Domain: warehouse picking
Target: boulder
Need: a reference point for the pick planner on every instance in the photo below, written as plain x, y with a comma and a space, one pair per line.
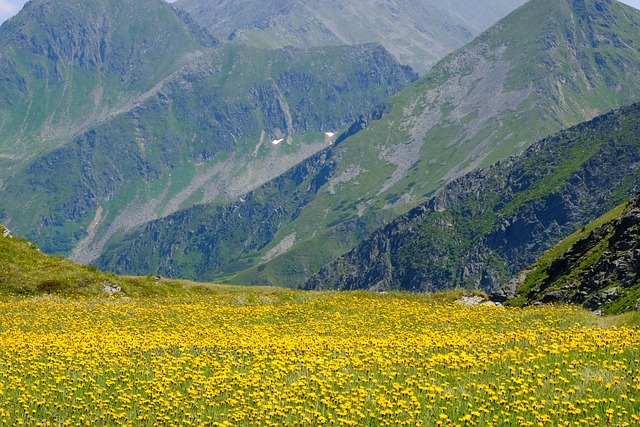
476, 300
603, 298
110, 289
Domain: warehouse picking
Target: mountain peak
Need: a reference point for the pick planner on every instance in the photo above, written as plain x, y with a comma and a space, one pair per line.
68, 63
111, 34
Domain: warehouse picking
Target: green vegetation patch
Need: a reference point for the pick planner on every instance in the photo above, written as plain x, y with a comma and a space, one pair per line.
24, 270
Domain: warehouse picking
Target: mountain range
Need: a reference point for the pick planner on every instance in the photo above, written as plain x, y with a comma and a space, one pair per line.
135, 139
546, 66
417, 33
94, 143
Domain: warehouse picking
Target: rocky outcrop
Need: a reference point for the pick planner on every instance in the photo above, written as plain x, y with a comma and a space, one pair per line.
364, 120
110, 289
484, 228
600, 271
476, 300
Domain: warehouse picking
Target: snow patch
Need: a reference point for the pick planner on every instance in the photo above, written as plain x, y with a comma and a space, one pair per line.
277, 141
329, 134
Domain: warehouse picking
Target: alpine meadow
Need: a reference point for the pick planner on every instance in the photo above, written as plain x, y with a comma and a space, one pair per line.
320, 213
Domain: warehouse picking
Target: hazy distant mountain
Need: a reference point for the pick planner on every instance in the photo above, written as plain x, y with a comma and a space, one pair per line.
67, 64
418, 33
547, 66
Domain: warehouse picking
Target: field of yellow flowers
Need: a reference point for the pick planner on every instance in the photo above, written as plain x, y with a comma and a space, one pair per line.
310, 359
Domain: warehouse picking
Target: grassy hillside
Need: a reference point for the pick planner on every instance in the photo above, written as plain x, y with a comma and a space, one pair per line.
537, 272
24, 270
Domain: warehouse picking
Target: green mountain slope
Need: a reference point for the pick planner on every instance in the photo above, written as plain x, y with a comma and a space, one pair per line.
65, 65
596, 267
203, 133
486, 226
416, 33
548, 65
25, 270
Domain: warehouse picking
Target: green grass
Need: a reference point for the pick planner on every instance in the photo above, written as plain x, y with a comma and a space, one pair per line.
25, 270
178, 353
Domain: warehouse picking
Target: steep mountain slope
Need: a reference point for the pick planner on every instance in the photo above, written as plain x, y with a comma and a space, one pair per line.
486, 226
548, 65
205, 132
67, 64
596, 267
416, 33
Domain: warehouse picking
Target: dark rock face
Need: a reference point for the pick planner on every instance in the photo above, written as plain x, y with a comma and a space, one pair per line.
485, 227
364, 120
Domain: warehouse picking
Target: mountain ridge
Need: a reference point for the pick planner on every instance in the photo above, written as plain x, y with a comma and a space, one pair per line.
484, 227
202, 131
417, 34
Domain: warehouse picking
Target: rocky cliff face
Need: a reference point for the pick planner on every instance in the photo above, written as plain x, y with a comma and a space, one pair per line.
600, 271
486, 226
